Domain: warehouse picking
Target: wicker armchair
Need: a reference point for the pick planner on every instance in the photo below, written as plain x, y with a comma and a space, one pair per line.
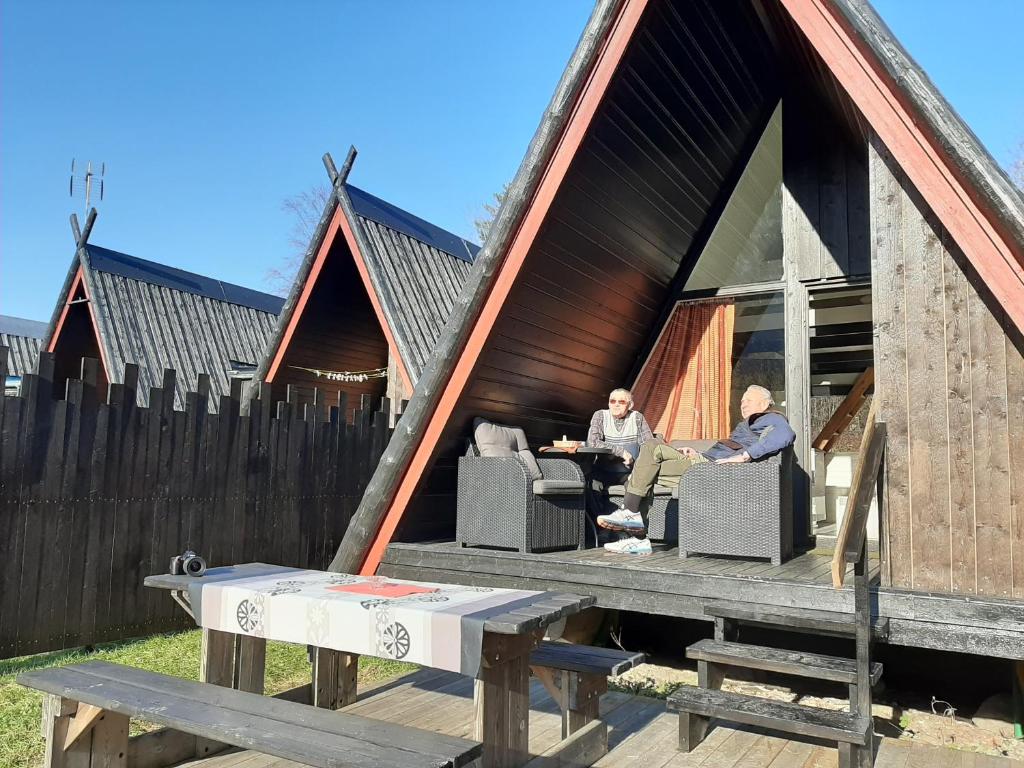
737, 509
500, 505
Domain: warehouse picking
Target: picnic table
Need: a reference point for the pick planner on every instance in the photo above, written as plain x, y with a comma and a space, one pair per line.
486, 633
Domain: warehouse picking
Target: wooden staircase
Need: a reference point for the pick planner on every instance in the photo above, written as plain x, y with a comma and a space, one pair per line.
853, 730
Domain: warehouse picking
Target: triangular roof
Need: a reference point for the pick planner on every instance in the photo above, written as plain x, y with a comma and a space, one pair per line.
413, 272
158, 317
23, 339
970, 195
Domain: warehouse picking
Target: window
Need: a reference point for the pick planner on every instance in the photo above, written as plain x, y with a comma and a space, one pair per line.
746, 244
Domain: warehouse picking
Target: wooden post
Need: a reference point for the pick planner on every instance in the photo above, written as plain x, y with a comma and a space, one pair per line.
56, 721
251, 663
110, 741
502, 699
335, 675
216, 666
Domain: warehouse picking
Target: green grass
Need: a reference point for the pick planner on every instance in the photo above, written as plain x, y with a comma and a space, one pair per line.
21, 745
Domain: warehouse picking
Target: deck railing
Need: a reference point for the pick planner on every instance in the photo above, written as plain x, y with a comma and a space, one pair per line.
96, 493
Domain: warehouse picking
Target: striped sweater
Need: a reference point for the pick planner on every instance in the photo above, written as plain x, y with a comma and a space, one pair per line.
608, 432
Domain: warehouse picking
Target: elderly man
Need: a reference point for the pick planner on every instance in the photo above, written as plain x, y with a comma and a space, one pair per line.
619, 427
762, 432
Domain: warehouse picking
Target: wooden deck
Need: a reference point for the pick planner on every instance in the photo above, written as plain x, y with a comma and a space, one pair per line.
641, 733
662, 583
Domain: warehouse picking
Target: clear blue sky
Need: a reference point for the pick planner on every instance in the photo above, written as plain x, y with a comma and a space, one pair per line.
209, 114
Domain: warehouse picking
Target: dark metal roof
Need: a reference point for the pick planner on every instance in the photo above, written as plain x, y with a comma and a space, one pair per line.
114, 263
371, 207
24, 339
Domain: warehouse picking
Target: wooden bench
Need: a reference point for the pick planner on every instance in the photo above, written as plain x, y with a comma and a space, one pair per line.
88, 706
576, 676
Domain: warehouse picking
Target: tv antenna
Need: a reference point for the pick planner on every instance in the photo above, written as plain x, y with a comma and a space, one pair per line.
87, 183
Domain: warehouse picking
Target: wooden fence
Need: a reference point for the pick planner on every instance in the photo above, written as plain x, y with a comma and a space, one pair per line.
95, 494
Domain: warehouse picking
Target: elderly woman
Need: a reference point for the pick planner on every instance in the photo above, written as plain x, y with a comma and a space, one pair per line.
619, 427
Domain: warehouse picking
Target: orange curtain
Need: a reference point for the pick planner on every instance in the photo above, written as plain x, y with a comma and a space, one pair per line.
684, 387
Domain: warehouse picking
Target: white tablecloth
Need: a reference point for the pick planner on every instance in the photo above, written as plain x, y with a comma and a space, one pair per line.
436, 625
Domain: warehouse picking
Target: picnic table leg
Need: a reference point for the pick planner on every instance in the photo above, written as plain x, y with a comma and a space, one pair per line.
335, 676
502, 697
217, 658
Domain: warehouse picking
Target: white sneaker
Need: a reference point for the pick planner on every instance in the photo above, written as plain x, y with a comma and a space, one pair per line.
630, 546
622, 520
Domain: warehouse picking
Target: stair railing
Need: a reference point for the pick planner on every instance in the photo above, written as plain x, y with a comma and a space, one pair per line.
851, 549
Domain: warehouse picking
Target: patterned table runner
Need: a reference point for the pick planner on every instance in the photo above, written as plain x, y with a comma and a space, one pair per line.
435, 625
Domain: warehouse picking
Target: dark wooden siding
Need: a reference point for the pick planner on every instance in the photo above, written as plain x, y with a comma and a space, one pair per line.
696, 85
77, 340
695, 89
825, 175
950, 386
338, 331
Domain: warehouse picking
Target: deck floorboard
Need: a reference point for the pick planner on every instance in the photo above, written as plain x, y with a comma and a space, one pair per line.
641, 732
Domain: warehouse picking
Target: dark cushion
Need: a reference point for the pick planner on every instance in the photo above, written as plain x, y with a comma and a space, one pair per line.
557, 487
502, 441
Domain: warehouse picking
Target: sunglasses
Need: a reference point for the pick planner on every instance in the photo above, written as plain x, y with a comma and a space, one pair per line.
623, 402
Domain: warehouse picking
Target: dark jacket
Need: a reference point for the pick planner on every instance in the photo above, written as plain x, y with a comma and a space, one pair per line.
761, 435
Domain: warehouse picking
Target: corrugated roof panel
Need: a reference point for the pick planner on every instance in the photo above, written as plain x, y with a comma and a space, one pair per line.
160, 327
115, 263
420, 282
370, 207
22, 353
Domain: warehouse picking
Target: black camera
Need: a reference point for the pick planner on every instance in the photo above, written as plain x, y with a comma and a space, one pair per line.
188, 564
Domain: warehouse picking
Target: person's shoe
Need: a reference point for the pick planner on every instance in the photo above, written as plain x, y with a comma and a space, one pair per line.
622, 520
630, 546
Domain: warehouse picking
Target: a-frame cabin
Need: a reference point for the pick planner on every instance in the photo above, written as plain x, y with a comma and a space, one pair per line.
788, 159
121, 309
371, 297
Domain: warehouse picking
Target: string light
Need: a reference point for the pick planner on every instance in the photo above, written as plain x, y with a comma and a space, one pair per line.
346, 376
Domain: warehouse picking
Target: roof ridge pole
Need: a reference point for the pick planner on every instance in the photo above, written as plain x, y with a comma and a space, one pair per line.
387, 302
81, 257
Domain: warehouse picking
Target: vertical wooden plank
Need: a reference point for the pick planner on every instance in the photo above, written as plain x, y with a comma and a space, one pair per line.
82, 522
959, 417
834, 254
991, 447
57, 714
1015, 427
888, 307
109, 747
138, 525
252, 663
44, 535
334, 678
12, 507
858, 215
800, 203
926, 369
798, 406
